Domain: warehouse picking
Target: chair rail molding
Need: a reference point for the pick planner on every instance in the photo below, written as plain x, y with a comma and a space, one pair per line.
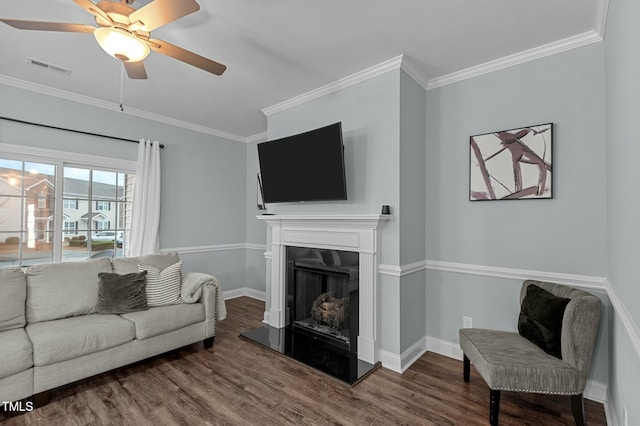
582, 281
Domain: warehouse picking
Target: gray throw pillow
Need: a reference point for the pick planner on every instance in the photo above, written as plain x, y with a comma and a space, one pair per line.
120, 294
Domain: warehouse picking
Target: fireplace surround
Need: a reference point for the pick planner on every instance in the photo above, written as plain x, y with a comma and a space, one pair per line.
355, 235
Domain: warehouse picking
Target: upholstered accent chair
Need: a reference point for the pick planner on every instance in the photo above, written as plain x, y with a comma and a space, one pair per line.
511, 362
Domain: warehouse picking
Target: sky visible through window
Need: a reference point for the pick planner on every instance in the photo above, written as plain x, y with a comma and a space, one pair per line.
70, 172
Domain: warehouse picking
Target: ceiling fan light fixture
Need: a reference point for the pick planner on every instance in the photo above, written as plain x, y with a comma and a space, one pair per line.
120, 44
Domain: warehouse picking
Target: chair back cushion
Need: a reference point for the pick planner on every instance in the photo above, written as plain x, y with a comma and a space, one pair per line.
580, 323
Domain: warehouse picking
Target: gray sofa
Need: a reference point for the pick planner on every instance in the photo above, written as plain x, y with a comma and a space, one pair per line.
51, 335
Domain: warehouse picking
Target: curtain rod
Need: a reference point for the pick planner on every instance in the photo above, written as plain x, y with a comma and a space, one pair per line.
72, 130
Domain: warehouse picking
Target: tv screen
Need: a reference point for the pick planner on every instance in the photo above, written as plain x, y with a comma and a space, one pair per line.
305, 167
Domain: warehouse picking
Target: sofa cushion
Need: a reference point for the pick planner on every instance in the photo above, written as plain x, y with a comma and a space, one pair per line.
13, 293
119, 294
163, 285
60, 290
540, 319
127, 265
69, 338
15, 352
163, 319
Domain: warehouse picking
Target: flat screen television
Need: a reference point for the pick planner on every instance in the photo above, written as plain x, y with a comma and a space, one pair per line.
305, 167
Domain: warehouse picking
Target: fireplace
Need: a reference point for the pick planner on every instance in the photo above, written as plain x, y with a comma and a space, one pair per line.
322, 296
348, 353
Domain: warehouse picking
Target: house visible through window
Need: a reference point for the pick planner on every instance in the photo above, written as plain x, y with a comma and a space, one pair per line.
70, 204
93, 219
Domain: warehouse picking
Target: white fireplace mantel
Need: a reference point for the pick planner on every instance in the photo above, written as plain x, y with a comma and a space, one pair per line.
357, 233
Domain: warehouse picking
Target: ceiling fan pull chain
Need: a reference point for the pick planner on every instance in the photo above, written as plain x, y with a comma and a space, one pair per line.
121, 86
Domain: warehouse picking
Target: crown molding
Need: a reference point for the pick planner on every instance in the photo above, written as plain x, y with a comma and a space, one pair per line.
414, 71
601, 23
350, 80
400, 61
111, 106
548, 49
258, 137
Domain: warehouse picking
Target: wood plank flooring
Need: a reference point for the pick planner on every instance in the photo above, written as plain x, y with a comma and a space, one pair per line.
240, 383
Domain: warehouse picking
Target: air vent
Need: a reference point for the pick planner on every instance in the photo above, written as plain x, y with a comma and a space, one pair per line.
49, 66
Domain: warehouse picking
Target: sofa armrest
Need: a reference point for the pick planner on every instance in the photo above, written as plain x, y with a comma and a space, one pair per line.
205, 288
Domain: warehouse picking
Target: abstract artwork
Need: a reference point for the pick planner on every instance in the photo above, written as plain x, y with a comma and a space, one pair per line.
511, 164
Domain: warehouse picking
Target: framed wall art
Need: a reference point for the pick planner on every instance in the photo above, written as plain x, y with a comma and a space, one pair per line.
511, 164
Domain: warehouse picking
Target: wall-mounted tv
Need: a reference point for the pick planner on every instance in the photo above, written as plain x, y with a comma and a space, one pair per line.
305, 167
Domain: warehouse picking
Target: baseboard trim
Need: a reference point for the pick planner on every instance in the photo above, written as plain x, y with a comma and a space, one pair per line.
444, 347
400, 363
610, 412
244, 291
390, 360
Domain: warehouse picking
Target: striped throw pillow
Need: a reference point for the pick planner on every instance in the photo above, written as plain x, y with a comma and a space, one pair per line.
163, 286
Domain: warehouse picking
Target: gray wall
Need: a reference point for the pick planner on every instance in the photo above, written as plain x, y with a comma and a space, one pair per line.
369, 112
203, 179
255, 229
412, 209
622, 44
566, 234
563, 235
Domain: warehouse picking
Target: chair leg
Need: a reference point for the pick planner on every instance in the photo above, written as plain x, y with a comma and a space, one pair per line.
466, 368
494, 407
208, 342
577, 407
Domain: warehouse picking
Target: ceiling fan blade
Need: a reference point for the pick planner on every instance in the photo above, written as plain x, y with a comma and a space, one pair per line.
135, 70
48, 26
183, 55
161, 12
93, 9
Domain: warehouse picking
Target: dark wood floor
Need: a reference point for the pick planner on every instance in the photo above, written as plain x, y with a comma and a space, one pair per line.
240, 383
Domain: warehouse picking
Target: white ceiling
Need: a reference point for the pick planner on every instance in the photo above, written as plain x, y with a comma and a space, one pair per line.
278, 49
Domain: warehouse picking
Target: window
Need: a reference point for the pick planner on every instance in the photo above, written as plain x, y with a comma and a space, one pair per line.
103, 205
69, 227
101, 225
70, 204
96, 199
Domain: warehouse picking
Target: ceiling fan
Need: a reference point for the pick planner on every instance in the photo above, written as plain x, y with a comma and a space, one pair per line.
125, 33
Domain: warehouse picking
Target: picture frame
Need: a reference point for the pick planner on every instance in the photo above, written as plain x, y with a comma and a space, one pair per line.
512, 164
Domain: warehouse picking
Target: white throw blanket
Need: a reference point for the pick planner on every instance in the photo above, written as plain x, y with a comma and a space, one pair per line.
191, 290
